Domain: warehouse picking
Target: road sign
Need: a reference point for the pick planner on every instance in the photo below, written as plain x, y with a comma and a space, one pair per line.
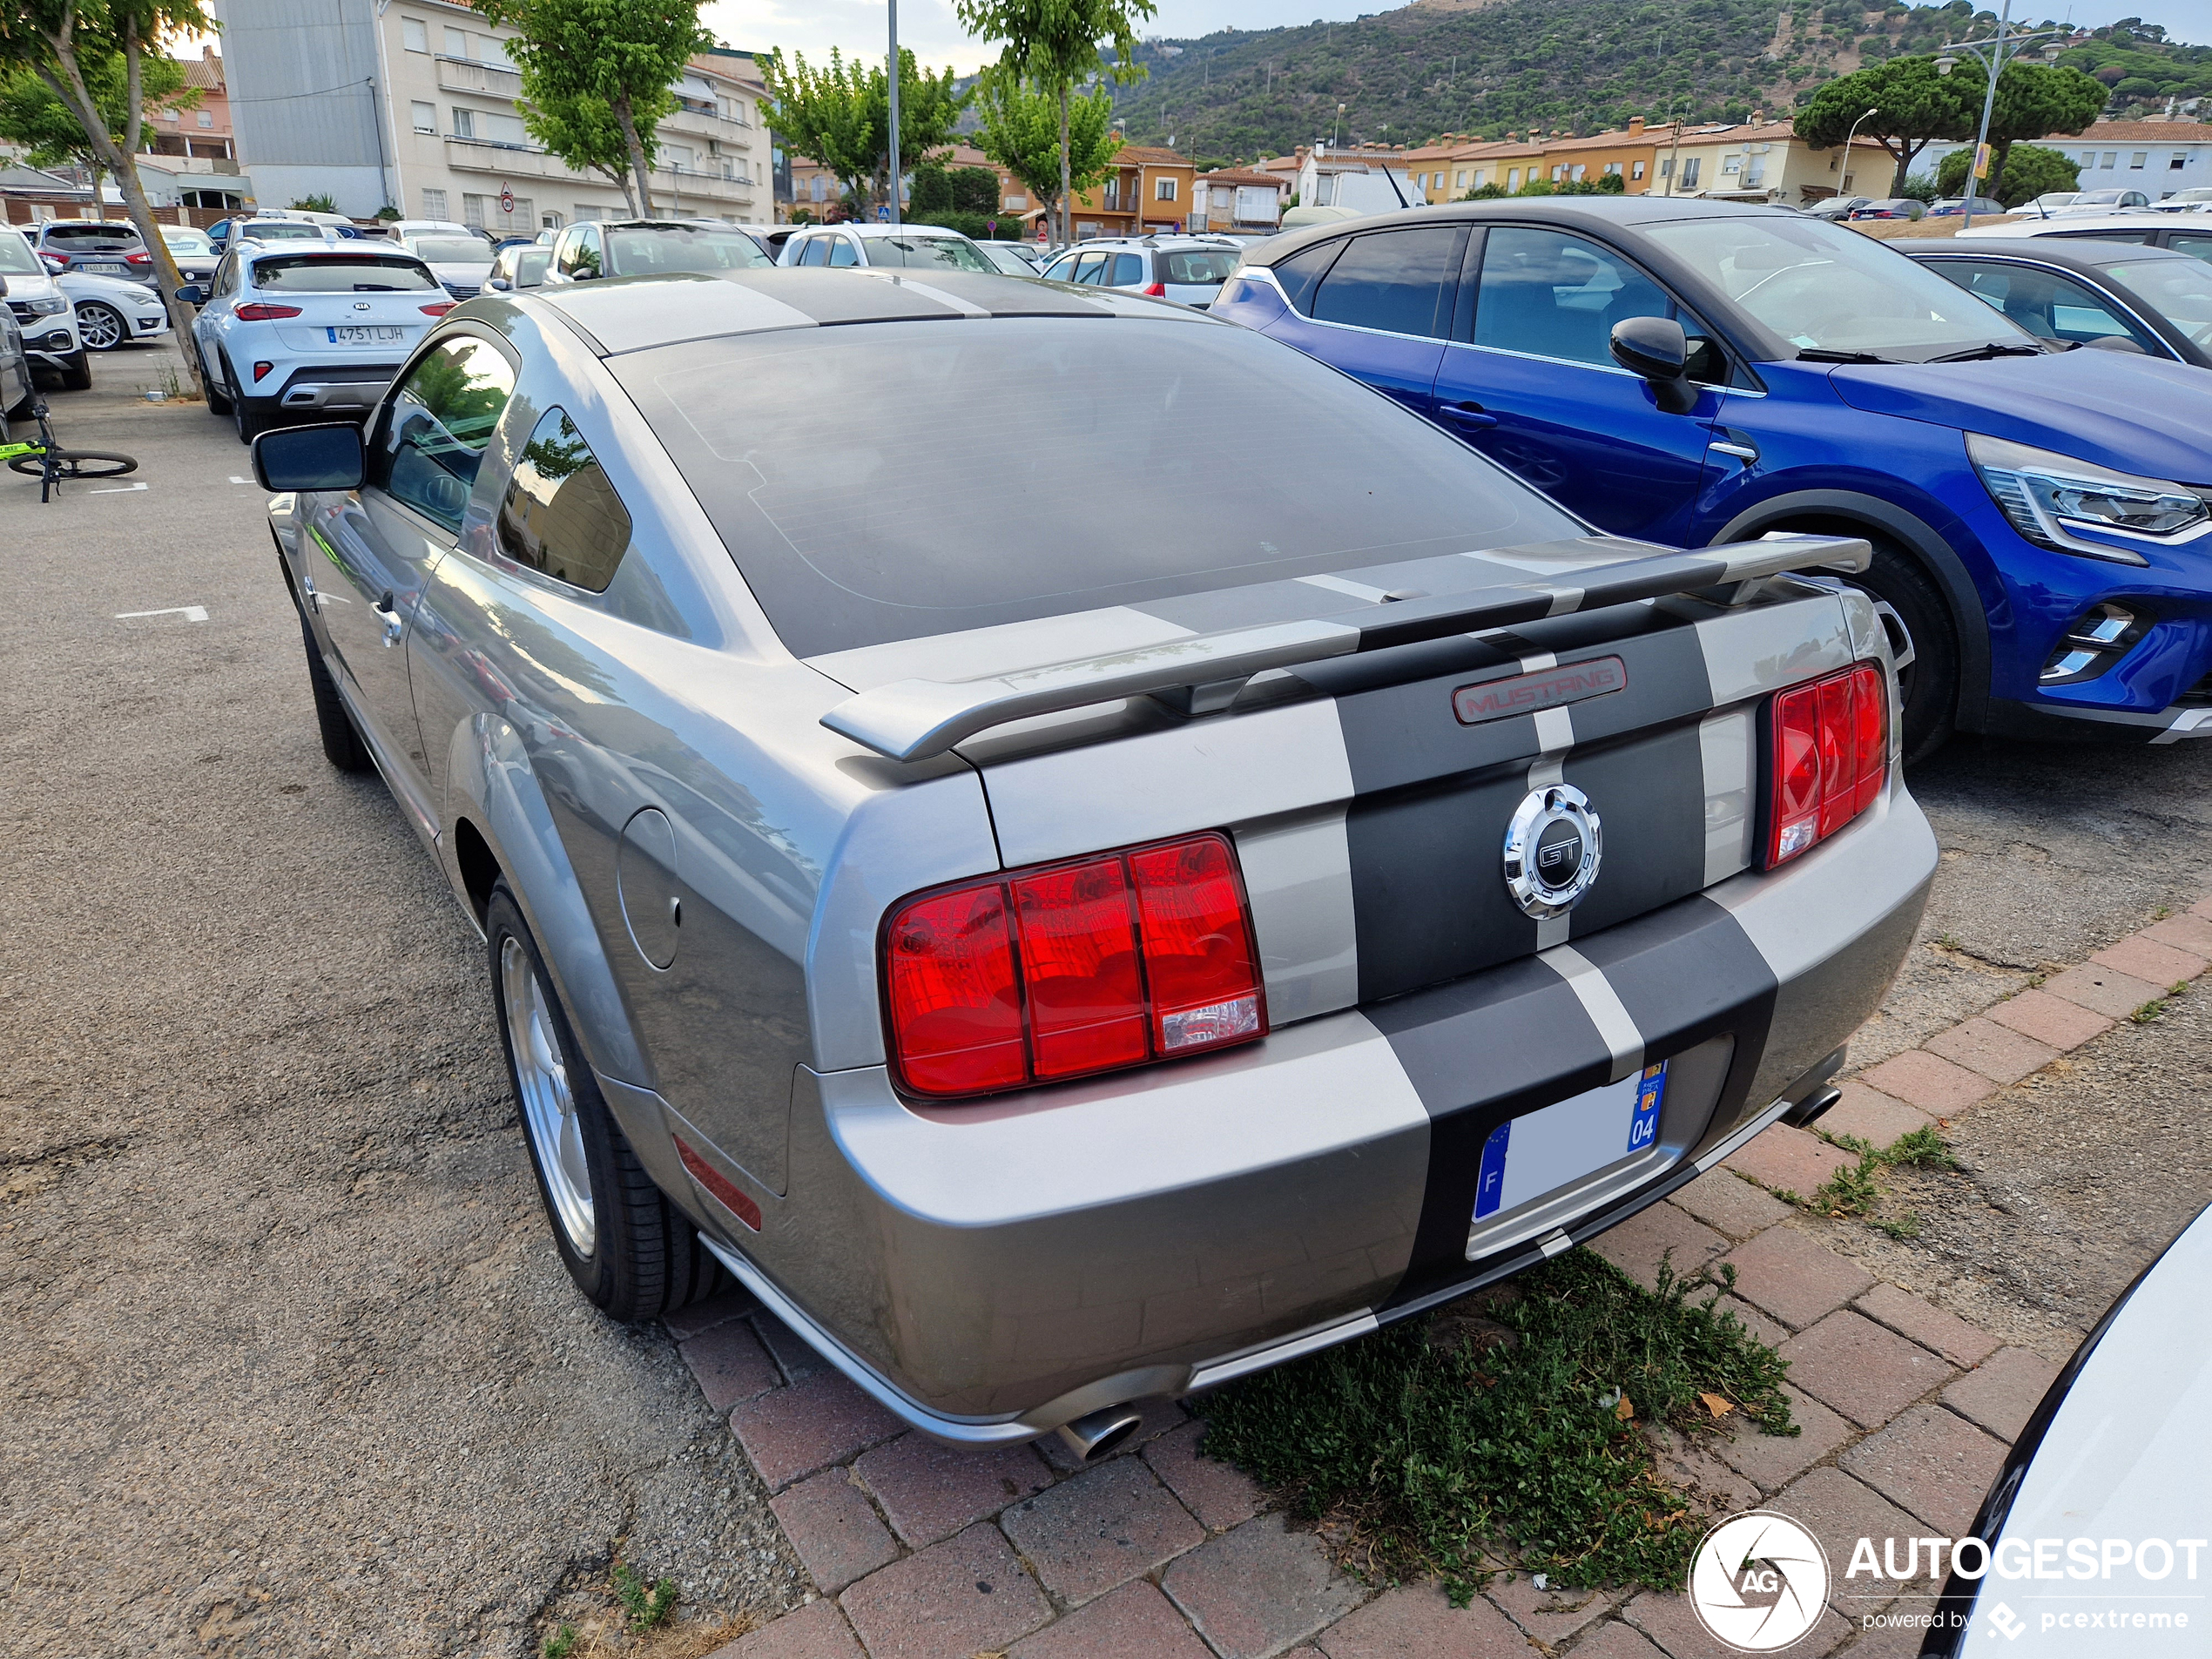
883, 214
506, 200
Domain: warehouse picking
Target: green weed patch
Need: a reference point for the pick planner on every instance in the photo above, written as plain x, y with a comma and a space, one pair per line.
1452, 1447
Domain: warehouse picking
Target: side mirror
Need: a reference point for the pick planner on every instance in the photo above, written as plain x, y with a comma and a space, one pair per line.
330, 457
1656, 348
193, 293
583, 274
500, 283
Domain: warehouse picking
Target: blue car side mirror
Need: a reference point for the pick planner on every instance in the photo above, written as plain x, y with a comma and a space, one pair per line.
1656, 348
327, 456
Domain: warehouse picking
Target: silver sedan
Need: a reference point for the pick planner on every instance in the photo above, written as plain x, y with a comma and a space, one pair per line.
1056, 958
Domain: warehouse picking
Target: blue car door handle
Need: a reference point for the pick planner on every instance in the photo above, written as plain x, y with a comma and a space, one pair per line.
1472, 416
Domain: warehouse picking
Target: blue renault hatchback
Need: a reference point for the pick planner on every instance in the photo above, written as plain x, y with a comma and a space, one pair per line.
1696, 372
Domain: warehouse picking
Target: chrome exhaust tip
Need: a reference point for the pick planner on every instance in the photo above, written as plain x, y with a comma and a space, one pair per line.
1803, 1114
1095, 1433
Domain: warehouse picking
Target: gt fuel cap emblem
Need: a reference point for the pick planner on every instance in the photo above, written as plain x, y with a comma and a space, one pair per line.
1553, 846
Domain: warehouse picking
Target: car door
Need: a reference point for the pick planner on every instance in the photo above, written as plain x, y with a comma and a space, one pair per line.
1529, 378
1378, 305
382, 540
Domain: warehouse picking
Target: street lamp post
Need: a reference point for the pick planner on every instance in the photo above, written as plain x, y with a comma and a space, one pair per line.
1338, 128
1843, 183
1991, 54
895, 111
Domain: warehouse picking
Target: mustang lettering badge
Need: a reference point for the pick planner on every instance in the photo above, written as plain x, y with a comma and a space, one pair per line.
1553, 846
1525, 693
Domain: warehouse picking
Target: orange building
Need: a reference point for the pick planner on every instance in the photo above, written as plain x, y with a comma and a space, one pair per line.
1149, 190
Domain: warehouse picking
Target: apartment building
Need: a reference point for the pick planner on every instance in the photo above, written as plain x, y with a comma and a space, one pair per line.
412, 104
1239, 201
2156, 156
189, 159
1147, 192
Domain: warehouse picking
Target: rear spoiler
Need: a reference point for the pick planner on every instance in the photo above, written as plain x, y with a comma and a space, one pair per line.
915, 719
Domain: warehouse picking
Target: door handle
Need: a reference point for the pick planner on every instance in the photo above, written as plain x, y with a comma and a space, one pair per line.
308, 592
1471, 415
389, 613
1741, 445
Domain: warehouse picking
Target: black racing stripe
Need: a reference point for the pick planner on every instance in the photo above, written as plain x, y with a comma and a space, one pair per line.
1428, 891
1488, 1048
1649, 795
1667, 679
1513, 1039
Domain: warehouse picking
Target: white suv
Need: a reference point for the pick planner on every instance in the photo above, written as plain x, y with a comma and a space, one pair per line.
901, 246
42, 311
1187, 269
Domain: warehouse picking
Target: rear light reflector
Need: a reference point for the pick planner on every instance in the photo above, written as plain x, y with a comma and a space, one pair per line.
1071, 970
439, 309
260, 311
1157, 290
731, 1197
1828, 754
260, 369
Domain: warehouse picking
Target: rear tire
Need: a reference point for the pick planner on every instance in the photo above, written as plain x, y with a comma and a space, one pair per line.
76, 372
245, 419
631, 1252
342, 744
1929, 684
219, 401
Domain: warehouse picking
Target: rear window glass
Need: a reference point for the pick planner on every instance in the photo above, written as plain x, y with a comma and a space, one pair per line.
1199, 268
943, 252
680, 248
307, 273
266, 231
454, 250
858, 514
92, 235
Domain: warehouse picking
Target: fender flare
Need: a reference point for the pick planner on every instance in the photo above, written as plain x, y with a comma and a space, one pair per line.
1936, 555
492, 787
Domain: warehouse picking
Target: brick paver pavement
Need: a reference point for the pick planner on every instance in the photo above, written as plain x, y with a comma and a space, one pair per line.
1903, 1412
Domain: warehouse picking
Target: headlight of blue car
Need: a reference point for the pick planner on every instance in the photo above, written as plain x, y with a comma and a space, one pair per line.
2046, 496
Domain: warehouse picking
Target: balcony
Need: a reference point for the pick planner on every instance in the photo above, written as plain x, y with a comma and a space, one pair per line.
466, 74
509, 161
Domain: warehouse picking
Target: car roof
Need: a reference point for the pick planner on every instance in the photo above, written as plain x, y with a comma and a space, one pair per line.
2063, 224
634, 314
888, 230
1578, 211
350, 248
2087, 254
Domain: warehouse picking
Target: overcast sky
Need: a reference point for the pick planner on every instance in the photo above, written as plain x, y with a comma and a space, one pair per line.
928, 28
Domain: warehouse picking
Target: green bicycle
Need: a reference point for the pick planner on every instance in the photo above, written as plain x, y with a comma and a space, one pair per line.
44, 459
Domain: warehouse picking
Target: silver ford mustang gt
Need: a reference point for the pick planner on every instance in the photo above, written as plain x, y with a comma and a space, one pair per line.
1075, 851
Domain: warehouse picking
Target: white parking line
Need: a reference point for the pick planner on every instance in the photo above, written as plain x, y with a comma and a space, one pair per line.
237, 480
115, 490
189, 613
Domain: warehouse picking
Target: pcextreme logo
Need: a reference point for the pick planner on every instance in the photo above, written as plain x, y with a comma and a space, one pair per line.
1758, 1581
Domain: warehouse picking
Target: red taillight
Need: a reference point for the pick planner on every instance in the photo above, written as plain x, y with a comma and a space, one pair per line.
1072, 970
260, 311
1828, 754
54, 262
439, 309
1157, 290
140, 258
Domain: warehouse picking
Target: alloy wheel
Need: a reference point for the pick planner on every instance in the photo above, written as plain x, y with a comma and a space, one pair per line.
100, 327
548, 1107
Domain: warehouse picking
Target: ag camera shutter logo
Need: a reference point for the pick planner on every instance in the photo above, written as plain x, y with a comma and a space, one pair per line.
1759, 1581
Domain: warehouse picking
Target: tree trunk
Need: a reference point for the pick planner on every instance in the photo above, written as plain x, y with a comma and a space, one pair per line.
1067, 230
621, 179
68, 87
636, 155
99, 196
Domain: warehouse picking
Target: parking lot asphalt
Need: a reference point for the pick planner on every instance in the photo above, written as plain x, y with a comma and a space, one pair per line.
291, 1365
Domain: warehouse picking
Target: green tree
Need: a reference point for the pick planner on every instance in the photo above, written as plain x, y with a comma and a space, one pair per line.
1054, 44
2033, 100
840, 115
321, 202
580, 127
1913, 106
2030, 171
579, 56
1021, 131
58, 41
34, 118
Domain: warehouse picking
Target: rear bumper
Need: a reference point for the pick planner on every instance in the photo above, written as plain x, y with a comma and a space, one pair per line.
992, 1272
343, 389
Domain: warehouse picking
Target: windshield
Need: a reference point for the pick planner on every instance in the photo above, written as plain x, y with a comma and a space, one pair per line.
954, 251
1825, 289
187, 241
2098, 198
858, 514
1007, 259
451, 250
16, 257
278, 230
1199, 268
2180, 290
307, 274
681, 247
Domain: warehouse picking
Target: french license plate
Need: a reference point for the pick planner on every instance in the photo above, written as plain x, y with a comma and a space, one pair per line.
360, 333
1540, 1151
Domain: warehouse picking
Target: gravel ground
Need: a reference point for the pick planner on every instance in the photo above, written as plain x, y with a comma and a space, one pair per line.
290, 1365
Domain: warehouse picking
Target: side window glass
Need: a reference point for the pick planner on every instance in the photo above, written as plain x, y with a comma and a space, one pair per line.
1551, 295
1399, 281
814, 251
842, 251
2048, 305
432, 438
1090, 270
561, 515
1061, 269
2197, 247
1301, 273
1129, 270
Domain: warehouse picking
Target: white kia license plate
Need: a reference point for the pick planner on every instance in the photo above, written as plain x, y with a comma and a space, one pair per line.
361, 333
1541, 1151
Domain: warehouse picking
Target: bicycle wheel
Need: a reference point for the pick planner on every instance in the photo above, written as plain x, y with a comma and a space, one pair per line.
77, 463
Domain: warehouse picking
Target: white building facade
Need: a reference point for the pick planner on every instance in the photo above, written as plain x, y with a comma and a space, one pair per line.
412, 104
2157, 158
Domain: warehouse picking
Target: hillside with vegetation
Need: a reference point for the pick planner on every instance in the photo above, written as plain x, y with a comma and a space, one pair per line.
1491, 67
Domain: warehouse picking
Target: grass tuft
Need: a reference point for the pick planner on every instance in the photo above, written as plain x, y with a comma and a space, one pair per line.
642, 1607
561, 1643
1921, 1149
1422, 1455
